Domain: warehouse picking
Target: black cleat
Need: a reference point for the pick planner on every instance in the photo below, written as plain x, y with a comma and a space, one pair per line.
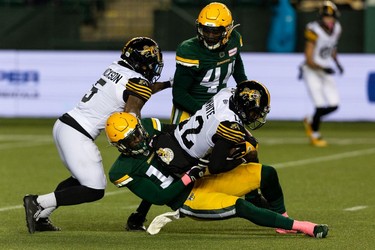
135, 222
44, 224
32, 209
320, 231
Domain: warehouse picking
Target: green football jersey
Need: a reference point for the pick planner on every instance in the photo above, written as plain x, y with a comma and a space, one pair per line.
146, 177
201, 73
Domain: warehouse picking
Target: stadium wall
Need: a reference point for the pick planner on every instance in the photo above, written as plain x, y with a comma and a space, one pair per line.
49, 83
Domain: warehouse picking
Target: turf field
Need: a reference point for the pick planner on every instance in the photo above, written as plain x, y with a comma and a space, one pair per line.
333, 185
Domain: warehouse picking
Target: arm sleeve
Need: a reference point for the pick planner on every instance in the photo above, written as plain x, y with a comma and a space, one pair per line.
182, 82
239, 70
147, 190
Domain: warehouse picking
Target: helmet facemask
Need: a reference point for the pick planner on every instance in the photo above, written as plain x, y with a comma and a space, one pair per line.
134, 143
214, 25
126, 133
212, 37
328, 14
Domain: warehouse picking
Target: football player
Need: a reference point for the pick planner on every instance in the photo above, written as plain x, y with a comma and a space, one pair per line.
219, 125
322, 37
125, 85
193, 194
211, 134
204, 63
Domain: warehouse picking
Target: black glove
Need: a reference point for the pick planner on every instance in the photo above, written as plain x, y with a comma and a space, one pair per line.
135, 222
196, 172
341, 69
329, 71
242, 149
203, 163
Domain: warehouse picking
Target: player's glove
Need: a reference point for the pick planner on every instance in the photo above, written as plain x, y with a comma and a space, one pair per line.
329, 71
241, 150
196, 172
203, 163
135, 222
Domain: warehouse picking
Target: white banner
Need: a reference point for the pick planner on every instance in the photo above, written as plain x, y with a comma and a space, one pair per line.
50, 83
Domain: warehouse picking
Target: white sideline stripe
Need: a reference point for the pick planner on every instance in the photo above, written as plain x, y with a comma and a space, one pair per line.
351, 209
277, 165
340, 156
3, 209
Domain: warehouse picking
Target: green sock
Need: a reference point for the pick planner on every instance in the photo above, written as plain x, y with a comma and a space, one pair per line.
261, 216
271, 189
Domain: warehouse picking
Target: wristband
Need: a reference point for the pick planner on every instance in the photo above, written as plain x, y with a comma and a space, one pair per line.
186, 179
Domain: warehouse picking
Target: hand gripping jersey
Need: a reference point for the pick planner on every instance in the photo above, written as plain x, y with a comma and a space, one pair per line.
201, 73
324, 42
214, 120
108, 95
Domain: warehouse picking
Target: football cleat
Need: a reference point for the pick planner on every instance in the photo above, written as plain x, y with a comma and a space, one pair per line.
318, 142
320, 231
135, 222
308, 128
32, 210
161, 220
44, 224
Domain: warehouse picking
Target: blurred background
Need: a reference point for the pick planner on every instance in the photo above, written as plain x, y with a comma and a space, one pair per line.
52, 51
106, 24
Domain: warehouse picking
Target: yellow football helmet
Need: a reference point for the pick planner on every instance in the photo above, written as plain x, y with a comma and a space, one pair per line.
214, 25
126, 133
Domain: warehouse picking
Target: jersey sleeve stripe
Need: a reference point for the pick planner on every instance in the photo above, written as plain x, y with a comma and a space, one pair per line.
230, 134
187, 62
311, 35
156, 124
143, 91
123, 181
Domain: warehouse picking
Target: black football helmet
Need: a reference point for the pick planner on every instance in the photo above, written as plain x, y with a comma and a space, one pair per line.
328, 8
144, 56
251, 102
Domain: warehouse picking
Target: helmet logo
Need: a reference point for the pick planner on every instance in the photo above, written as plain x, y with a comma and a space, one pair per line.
235, 126
149, 51
251, 95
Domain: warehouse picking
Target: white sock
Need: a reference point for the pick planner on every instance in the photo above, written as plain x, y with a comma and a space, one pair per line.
46, 212
309, 119
47, 200
316, 134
